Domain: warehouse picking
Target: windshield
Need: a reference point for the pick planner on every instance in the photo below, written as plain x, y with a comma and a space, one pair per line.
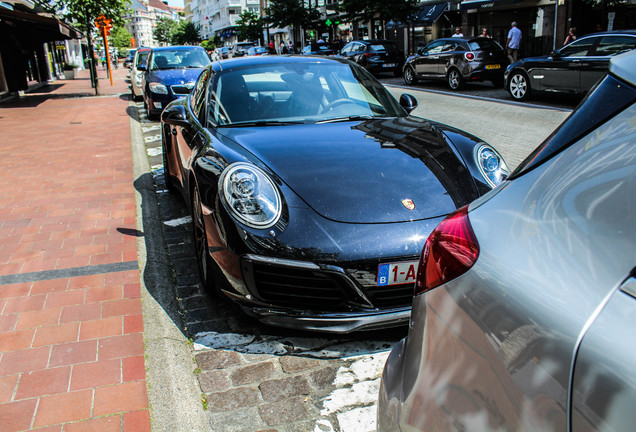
179, 59
388, 47
306, 92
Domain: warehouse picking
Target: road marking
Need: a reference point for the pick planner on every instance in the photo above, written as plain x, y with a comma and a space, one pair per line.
152, 138
154, 151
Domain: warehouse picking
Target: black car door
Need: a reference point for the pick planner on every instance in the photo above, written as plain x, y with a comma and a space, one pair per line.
427, 64
598, 59
189, 137
562, 71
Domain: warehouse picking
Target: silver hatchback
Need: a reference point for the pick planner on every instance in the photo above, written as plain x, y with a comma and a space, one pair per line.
524, 315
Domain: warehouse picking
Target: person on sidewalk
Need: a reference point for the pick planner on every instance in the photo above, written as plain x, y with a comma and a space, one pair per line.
514, 42
458, 33
484, 33
571, 36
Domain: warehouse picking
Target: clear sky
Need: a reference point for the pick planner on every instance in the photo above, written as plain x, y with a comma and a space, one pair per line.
175, 3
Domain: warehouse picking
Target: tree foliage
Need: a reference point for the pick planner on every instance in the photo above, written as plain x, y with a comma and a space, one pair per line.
164, 29
249, 26
120, 38
283, 13
186, 33
365, 10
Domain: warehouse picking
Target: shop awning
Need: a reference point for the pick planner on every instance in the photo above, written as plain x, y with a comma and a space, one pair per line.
485, 4
430, 13
39, 28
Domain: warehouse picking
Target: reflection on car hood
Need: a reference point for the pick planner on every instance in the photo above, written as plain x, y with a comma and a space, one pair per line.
365, 172
175, 76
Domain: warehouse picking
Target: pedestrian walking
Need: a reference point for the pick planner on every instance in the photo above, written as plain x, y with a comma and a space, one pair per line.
458, 33
571, 36
484, 33
290, 46
513, 42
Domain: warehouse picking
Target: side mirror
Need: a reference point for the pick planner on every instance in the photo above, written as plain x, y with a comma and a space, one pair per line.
175, 115
408, 102
142, 68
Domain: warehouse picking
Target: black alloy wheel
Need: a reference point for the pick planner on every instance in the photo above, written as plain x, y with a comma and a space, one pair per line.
164, 156
200, 240
410, 78
519, 86
455, 79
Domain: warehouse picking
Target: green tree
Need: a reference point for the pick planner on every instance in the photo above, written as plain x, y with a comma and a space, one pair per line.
283, 13
386, 10
120, 39
164, 29
82, 14
249, 26
186, 33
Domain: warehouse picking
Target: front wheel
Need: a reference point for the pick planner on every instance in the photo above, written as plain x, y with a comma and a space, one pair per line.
455, 79
200, 240
518, 86
410, 78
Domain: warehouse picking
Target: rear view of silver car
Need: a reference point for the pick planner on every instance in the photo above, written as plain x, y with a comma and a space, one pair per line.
524, 315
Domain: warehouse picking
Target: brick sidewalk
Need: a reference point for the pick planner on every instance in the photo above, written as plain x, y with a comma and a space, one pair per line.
71, 328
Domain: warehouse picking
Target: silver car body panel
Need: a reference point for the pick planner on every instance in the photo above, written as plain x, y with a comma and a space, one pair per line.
494, 349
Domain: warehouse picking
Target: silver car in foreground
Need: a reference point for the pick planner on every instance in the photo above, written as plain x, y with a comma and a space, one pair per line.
524, 315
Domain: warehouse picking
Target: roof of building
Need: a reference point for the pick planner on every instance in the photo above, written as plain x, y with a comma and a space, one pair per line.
157, 4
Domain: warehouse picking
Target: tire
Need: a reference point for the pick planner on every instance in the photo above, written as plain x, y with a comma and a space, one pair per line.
455, 79
166, 167
410, 77
519, 86
200, 241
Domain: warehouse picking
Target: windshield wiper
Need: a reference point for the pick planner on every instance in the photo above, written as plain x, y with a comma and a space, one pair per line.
347, 118
263, 123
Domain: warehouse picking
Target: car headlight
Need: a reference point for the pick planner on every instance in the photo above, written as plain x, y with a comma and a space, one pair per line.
491, 165
251, 195
158, 88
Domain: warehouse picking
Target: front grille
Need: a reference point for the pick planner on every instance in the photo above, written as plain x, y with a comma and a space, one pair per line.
182, 89
390, 295
302, 288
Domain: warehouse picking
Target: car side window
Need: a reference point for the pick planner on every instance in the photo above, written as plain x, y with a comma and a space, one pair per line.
197, 97
612, 45
579, 48
434, 48
347, 48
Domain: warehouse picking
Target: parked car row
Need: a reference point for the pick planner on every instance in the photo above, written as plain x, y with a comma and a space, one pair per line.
519, 288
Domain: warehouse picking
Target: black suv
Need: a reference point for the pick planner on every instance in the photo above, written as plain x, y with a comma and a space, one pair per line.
575, 68
375, 55
458, 60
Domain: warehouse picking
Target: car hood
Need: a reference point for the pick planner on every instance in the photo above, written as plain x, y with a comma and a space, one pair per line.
377, 171
175, 76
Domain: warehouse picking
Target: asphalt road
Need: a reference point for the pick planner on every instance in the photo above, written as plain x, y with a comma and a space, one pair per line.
254, 377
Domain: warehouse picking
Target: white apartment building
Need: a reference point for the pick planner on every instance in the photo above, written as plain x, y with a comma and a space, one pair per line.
218, 17
142, 23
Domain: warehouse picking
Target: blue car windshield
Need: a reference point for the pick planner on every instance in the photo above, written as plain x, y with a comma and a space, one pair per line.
299, 92
179, 59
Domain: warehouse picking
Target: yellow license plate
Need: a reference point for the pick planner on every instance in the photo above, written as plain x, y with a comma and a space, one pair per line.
496, 66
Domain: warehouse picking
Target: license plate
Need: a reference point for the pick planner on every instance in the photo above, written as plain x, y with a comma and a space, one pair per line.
397, 273
389, 65
495, 66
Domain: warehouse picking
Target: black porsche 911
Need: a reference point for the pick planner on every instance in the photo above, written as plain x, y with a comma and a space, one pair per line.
312, 189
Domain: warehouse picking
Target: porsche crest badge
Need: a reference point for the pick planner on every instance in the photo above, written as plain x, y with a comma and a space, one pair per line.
408, 203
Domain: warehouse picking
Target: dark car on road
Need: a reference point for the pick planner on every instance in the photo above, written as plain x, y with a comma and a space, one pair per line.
574, 69
257, 51
318, 48
524, 314
376, 56
240, 48
312, 189
458, 61
170, 73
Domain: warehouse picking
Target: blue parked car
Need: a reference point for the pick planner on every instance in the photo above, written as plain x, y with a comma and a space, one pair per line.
170, 73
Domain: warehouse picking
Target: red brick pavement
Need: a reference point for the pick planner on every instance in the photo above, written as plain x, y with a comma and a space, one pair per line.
71, 329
